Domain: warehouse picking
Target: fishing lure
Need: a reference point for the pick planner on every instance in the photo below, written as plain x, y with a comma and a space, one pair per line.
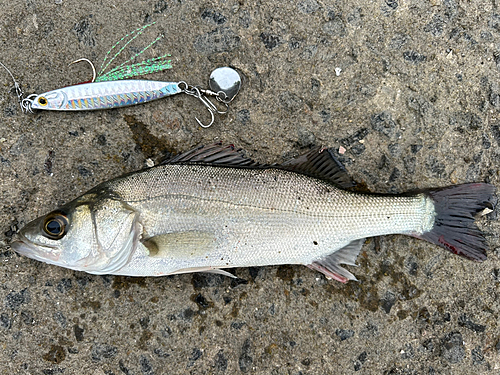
224, 84
113, 89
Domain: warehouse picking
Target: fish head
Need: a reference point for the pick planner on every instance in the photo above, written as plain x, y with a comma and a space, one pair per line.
50, 100
97, 236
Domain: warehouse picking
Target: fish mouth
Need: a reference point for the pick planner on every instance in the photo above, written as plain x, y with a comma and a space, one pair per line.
42, 253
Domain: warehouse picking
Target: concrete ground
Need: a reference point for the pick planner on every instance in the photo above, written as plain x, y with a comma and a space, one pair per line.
410, 90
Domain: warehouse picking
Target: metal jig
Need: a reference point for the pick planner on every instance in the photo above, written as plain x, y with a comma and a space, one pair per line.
112, 88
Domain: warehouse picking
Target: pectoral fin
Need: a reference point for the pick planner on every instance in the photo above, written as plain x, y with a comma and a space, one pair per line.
330, 265
184, 245
180, 245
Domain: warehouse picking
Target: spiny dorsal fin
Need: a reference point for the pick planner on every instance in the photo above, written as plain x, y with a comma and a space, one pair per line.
214, 154
320, 163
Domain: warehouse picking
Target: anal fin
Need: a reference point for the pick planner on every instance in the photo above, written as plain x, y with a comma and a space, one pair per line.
330, 265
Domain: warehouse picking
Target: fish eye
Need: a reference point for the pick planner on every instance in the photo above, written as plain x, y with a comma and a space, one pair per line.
55, 225
42, 101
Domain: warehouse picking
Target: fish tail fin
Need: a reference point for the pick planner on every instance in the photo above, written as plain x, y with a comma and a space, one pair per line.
456, 208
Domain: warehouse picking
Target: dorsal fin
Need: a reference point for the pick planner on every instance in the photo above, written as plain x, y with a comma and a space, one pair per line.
320, 163
214, 154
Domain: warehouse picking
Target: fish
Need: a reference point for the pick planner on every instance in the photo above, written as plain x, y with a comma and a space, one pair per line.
211, 209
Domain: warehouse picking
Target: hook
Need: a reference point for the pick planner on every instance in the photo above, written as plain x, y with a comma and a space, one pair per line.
26, 103
210, 106
211, 121
200, 94
90, 62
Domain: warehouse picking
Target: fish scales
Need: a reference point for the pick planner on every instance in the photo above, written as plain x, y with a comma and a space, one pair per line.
263, 216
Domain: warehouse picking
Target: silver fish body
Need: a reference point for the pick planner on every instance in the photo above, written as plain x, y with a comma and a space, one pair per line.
191, 216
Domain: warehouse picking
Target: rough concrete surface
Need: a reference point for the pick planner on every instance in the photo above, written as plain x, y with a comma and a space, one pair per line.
411, 91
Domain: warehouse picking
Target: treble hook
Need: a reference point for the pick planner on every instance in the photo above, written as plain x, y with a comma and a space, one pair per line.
90, 62
201, 95
210, 106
